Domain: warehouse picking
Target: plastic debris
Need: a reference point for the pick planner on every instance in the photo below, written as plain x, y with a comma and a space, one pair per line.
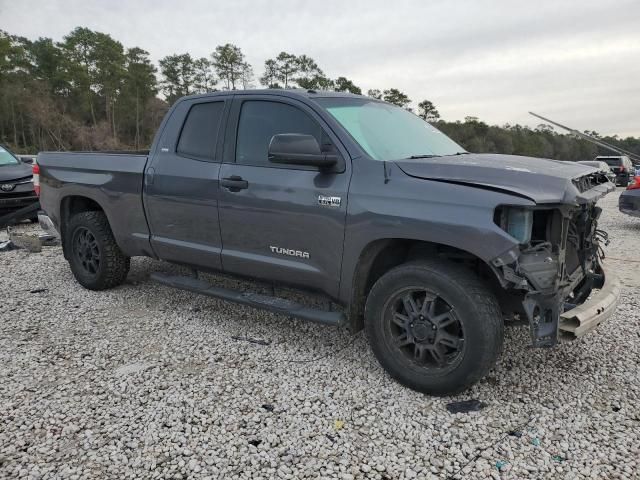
268, 407
257, 341
39, 290
535, 441
558, 458
515, 433
48, 240
29, 242
500, 464
466, 406
338, 424
6, 246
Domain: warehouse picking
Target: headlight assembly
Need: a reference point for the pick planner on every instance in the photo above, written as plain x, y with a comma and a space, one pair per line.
516, 221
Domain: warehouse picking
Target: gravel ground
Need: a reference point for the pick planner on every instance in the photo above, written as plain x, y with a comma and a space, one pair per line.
146, 382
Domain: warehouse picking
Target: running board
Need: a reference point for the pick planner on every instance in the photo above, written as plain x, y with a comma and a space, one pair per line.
256, 300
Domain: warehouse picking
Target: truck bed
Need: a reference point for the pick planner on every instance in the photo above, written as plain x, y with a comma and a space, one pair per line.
113, 180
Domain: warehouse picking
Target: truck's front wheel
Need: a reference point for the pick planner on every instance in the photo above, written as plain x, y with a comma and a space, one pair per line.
434, 326
94, 256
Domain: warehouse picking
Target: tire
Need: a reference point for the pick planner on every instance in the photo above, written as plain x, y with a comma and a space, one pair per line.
95, 259
462, 348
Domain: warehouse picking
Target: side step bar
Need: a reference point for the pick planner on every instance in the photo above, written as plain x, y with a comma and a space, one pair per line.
256, 300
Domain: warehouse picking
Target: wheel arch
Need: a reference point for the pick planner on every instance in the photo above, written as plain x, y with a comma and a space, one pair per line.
71, 205
381, 255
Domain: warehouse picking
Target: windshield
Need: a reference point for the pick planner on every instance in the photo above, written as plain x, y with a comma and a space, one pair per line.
612, 162
387, 132
7, 158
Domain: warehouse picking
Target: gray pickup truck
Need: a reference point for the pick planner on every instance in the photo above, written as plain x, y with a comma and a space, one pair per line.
430, 248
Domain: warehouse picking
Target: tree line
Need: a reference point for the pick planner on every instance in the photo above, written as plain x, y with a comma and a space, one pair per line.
89, 92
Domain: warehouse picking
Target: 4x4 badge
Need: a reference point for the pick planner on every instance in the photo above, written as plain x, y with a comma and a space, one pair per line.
329, 201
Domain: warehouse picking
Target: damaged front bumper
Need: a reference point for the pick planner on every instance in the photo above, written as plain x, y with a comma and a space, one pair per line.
600, 306
547, 319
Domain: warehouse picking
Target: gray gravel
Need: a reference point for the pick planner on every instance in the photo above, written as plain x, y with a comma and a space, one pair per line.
146, 382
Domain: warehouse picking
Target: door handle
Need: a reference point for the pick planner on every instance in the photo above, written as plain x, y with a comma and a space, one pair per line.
234, 183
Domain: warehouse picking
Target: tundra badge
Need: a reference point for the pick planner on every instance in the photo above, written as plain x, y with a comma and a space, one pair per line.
289, 251
329, 201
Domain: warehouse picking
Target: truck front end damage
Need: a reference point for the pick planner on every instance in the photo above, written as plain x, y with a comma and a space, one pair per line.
556, 270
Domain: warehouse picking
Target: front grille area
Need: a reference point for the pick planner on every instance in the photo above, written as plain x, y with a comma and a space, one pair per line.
12, 195
587, 182
19, 180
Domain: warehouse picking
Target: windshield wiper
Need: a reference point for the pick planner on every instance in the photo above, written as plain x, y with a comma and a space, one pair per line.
413, 157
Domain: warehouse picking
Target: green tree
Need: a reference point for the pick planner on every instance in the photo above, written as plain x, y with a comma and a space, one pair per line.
178, 76
343, 84
204, 79
310, 76
286, 66
428, 111
229, 63
395, 96
246, 76
138, 88
375, 93
271, 75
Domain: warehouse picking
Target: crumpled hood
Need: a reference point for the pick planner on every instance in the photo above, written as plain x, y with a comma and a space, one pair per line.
539, 179
14, 172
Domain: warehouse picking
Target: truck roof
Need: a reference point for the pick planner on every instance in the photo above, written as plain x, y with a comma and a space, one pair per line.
289, 92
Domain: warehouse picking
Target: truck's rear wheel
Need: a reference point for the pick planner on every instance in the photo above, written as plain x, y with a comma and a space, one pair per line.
95, 259
434, 326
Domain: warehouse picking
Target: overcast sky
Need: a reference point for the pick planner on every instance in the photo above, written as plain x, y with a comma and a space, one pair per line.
577, 62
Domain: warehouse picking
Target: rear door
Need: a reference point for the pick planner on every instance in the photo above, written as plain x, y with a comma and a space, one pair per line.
281, 222
181, 184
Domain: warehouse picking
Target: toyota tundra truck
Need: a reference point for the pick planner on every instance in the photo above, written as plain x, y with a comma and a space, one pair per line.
428, 248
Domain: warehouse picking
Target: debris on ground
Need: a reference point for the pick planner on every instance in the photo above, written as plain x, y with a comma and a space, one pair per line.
257, 341
6, 246
268, 407
500, 464
48, 240
338, 424
535, 441
29, 242
39, 290
465, 406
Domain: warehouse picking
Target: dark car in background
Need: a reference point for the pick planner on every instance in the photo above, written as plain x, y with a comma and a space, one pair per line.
16, 186
602, 166
621, 166
629, 201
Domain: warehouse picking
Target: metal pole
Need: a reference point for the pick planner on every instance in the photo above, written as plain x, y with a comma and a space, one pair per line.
589, 138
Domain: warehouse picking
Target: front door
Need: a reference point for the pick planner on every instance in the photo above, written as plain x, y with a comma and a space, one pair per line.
181, 186
278, 222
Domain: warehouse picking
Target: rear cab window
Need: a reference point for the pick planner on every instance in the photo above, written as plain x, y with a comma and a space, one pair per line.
200, 131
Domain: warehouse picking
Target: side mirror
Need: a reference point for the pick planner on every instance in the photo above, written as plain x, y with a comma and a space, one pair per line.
299, 149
